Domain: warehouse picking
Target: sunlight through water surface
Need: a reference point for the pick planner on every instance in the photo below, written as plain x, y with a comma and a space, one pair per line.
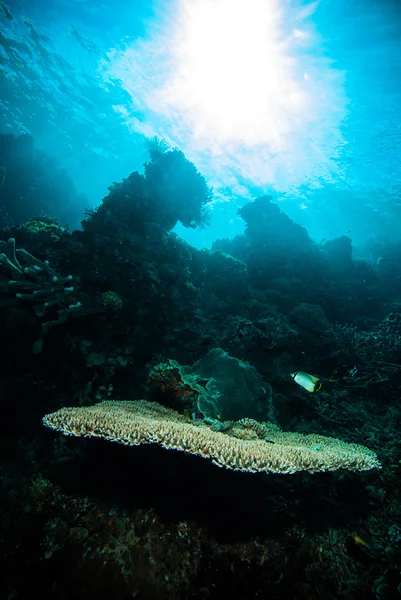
241, 86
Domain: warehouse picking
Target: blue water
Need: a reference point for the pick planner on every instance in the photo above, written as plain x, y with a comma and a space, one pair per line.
298, 100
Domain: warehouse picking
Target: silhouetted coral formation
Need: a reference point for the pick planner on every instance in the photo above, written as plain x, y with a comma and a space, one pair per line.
162, 320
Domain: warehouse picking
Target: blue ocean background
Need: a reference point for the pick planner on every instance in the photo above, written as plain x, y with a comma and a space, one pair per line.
89, 81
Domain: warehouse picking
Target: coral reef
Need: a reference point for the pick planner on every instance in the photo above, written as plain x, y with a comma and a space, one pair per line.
373, 355
227, 388
177, 184
38, 283
171, 189
140, 422
212, 336
166, 385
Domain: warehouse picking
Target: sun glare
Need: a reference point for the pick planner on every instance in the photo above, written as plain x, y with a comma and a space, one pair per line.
240, 85
233, 78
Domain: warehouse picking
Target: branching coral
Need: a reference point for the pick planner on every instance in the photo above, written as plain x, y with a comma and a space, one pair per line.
141, 422
38, 283
374, 354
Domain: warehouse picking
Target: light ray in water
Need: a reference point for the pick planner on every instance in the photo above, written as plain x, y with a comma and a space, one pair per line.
241, 86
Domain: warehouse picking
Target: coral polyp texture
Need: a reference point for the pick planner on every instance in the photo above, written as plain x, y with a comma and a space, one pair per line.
142, 422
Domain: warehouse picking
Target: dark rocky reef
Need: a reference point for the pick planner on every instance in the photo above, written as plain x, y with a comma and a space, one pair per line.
86, 518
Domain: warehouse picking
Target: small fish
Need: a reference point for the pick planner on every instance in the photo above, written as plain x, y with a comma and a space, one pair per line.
362, 538
311, 383
358, 540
